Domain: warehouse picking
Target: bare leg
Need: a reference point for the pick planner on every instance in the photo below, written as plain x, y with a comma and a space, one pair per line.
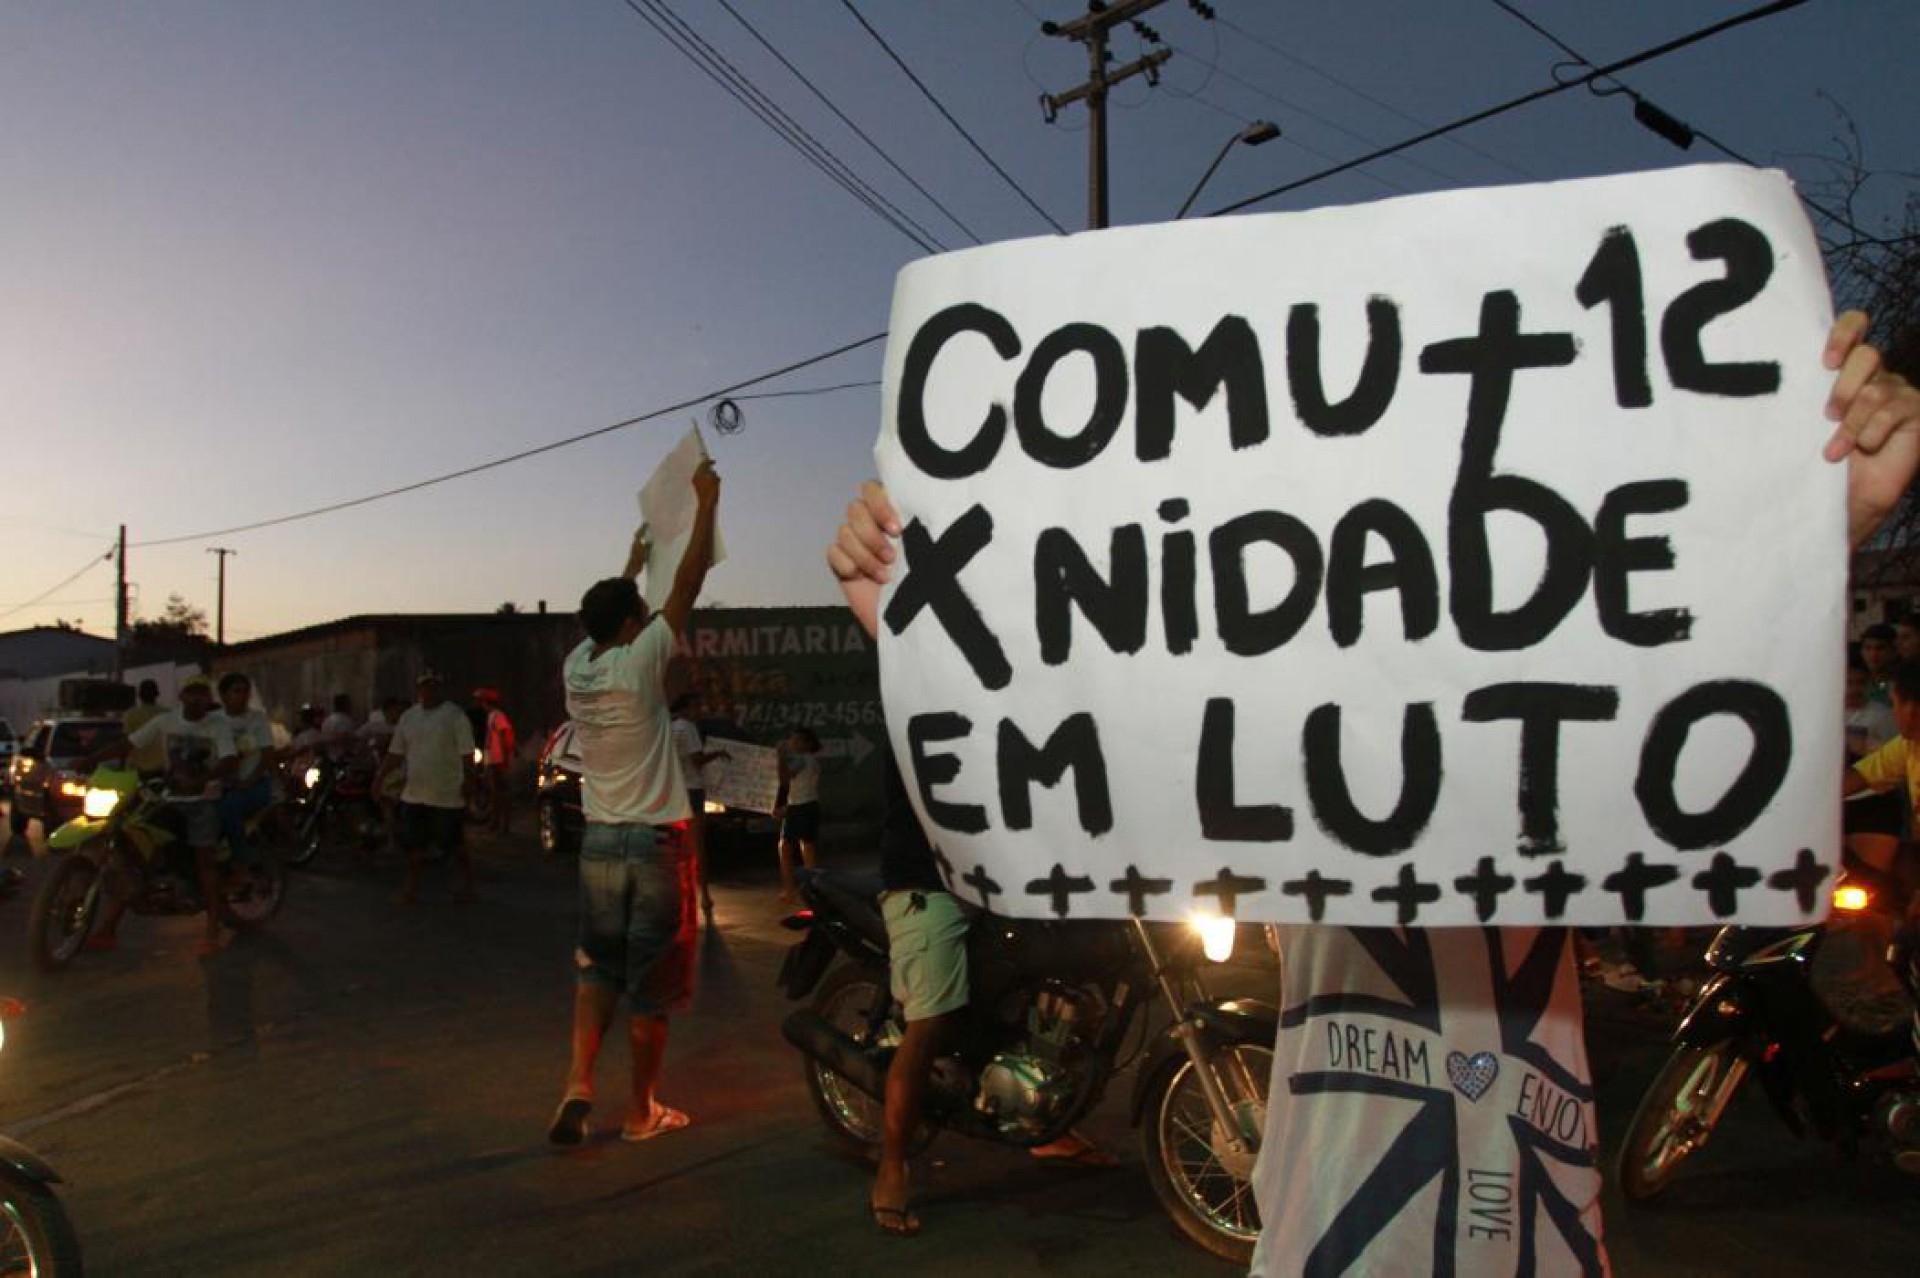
1876, 851
905, 1098
697, 833
593, 1006
786, 871
807, 854
647, 1035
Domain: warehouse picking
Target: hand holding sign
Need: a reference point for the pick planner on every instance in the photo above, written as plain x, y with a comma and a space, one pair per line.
1878, 412
1451, 641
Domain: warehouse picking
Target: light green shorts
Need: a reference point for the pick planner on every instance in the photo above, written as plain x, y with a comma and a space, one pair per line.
927, 944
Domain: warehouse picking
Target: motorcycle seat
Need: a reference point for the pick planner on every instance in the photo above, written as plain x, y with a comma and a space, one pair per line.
854, 897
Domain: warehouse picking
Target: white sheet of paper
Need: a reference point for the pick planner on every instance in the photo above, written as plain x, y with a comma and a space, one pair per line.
748, 778
1237, 614
667, 504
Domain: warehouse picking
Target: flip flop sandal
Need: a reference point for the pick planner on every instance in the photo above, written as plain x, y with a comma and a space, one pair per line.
665, 1119
570, 1121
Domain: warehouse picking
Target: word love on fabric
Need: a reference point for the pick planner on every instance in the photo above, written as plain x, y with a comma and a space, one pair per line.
1466, 558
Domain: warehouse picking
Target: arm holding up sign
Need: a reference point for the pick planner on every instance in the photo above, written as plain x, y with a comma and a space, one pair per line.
698, 556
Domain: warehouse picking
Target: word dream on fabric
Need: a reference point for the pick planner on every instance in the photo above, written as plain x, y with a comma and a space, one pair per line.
1155, 634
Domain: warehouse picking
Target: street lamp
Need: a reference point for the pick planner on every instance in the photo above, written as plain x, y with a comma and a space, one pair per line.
1253, 135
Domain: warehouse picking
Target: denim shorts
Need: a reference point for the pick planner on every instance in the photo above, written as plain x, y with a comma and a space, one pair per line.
638, 915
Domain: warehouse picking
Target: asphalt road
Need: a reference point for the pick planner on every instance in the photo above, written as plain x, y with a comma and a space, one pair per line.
364, 1088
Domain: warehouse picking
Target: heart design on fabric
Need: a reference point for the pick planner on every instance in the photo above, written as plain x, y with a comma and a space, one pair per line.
1473, 1075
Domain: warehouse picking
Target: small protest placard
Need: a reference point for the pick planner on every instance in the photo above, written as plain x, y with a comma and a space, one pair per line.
749, 777
1464, 558
668, 505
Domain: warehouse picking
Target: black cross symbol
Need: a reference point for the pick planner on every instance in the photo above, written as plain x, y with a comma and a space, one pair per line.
1061, 886
1137, 889
1485, 887
978, 879
1555, 886
1723, 882
933, 582
1634, 880
1229, 887
1317, 889
1411, 894
1803, 879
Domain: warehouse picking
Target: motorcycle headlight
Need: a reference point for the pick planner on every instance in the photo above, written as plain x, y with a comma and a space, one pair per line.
476, 756
99, 804
1216, 935
714, 807
74, 790
311, 778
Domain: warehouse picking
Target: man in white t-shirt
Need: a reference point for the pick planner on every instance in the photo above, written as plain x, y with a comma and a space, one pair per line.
637, 874
435, 740
197, 743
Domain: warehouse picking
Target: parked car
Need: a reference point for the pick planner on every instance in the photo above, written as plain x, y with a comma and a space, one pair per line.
9, 745
561, 820
48, 786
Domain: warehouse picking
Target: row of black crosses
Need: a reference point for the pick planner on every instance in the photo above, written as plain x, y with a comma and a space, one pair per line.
1722, 881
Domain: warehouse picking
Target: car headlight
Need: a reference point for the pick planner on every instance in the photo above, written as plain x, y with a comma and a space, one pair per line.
99, 804
714, 807
76, 790
1216, 935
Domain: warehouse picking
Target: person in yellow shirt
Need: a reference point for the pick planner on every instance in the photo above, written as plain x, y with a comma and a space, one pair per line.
1895, 763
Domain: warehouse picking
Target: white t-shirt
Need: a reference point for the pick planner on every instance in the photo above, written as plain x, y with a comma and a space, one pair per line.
687, 742
632, 775
436, 744
1431, 1109
252, 736
337, 723
1868, 728
803, 781
192, 746
378, 731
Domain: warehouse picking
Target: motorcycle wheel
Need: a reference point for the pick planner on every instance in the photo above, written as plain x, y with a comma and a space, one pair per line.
309, 835
1682, 1107
262, 900
63, 912
1205, 1187
36, 1238
845, 1000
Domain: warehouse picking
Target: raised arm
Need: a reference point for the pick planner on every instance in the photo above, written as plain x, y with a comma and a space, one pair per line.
698, 557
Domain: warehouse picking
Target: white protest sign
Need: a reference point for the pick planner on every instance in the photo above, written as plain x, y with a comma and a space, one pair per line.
1464, 558
668, 505
749, 777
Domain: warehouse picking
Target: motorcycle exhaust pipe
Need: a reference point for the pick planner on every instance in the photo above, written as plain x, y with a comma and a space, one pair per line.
816, 1038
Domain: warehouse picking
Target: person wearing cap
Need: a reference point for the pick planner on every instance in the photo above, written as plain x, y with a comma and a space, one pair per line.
200, 752
434, 740
637, 874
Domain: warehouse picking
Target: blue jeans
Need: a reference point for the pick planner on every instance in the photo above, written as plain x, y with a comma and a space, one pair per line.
235, 805
638, 917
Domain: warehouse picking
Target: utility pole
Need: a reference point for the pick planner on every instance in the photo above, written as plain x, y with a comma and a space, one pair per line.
1091, 31
120, 609
220, 607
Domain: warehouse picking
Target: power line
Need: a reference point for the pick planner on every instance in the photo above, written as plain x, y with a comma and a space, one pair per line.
1307, 66
1645, 55
522, 455
64, 582
809, 390
1702, 134
846, 120
674, 30
948, 115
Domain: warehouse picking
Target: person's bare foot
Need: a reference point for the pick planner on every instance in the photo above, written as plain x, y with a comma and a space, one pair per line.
888, 1203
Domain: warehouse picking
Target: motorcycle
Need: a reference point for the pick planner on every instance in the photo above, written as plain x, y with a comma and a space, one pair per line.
1052, 1006
335, 799
36, 1237
1759, 1014
128, 842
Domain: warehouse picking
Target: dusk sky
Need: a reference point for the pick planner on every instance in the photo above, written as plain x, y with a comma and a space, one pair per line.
263, 257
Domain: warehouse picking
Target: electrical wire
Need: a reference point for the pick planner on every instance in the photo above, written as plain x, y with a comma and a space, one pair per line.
1307, 66
1526, 99
522, 455
63, 583
948, 115
810, 390
671, 28
1581, 59
844, 119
